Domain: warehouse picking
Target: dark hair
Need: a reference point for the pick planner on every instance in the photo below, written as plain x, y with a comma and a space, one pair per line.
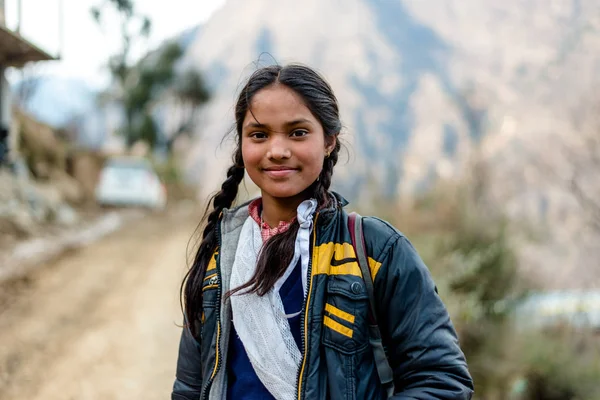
278, 251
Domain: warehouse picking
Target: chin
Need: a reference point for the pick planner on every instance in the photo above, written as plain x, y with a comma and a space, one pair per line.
282, 192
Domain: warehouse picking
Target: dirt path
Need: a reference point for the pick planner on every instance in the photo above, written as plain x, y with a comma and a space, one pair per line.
99, 323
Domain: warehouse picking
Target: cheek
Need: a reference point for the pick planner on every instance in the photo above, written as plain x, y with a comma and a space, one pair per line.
250, 155
313, 162
252, 158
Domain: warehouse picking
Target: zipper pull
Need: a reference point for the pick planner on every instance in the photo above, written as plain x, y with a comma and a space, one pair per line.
214, 280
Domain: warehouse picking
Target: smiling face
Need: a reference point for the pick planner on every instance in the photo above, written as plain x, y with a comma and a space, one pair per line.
283, 144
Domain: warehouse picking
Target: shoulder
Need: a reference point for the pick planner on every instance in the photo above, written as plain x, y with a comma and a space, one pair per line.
391, 251
380, 236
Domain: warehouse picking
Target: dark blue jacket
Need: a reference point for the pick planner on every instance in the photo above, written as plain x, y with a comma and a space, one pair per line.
421, 342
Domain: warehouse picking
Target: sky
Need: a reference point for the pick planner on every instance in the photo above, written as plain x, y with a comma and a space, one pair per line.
85, 46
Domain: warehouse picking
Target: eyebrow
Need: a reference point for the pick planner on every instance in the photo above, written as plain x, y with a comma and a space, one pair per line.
287, 124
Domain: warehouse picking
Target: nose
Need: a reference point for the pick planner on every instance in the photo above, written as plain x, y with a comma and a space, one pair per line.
279, 149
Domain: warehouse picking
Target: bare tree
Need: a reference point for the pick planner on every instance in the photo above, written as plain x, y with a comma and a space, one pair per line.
134, 28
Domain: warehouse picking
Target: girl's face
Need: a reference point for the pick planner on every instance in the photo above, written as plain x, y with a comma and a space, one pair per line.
283, 144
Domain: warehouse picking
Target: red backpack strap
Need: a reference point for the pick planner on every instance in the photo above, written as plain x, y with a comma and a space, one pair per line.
386, 375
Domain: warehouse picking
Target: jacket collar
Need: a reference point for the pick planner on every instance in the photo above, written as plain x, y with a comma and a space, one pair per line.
234, 218
341, 201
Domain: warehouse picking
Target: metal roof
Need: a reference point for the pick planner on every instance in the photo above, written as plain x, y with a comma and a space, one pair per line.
15, 51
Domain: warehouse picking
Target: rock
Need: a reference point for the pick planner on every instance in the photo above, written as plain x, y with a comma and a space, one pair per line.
40, 145
66, 215
23, 223
20, 169
85, 168
68, 187
7, 187
45, 201
16, 220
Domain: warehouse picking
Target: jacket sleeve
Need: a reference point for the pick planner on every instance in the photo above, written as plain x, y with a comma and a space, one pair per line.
188, 381
421, 342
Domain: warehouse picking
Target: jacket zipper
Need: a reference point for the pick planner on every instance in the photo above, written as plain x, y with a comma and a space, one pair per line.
206, 389
305, 313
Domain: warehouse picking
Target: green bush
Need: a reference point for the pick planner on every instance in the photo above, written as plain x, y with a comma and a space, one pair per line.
560, 364
476, 269
471, 250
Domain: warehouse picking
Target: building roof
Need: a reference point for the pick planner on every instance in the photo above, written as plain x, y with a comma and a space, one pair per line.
15, 51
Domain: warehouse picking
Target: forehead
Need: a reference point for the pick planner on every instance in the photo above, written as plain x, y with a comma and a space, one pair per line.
277, 104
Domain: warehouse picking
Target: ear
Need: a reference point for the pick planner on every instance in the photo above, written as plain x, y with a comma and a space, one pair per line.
330, 142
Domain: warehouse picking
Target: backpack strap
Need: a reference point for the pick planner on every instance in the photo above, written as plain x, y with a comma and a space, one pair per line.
386, 375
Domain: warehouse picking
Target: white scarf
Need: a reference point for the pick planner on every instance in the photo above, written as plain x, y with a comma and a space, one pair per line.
260, 321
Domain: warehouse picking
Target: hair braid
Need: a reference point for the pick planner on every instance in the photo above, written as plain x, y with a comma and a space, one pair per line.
192, 285
321, 188
278, 251
275, 256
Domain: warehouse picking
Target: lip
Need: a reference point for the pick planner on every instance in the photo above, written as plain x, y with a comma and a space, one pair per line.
279, 172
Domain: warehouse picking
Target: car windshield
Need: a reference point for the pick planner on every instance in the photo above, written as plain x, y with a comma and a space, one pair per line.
128, 165
128, 173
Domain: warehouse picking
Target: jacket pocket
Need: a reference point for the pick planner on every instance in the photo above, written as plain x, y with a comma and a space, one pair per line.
344, 333
345, 327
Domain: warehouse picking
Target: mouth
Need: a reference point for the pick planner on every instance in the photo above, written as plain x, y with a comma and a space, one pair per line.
279, 171
280, 168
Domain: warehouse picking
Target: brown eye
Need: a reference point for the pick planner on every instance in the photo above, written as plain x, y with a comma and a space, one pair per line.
258, 135
299, 133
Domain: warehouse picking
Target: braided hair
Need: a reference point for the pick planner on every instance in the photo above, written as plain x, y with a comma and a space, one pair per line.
278, 251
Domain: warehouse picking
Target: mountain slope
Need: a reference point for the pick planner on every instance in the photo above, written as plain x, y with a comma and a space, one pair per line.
425, 89
375, 64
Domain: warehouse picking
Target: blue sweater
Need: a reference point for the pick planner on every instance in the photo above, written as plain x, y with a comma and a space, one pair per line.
243, 383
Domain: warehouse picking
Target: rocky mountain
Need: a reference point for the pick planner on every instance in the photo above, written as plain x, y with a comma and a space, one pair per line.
426, 87
415, 78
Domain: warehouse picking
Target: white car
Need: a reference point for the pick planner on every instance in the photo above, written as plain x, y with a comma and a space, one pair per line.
130, 182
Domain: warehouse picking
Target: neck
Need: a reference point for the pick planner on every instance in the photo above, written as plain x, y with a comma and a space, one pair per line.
276, 210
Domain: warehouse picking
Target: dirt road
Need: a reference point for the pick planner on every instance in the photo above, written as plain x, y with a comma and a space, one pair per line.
99, 323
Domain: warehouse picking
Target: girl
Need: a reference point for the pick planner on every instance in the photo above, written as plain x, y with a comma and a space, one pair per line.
275, 302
